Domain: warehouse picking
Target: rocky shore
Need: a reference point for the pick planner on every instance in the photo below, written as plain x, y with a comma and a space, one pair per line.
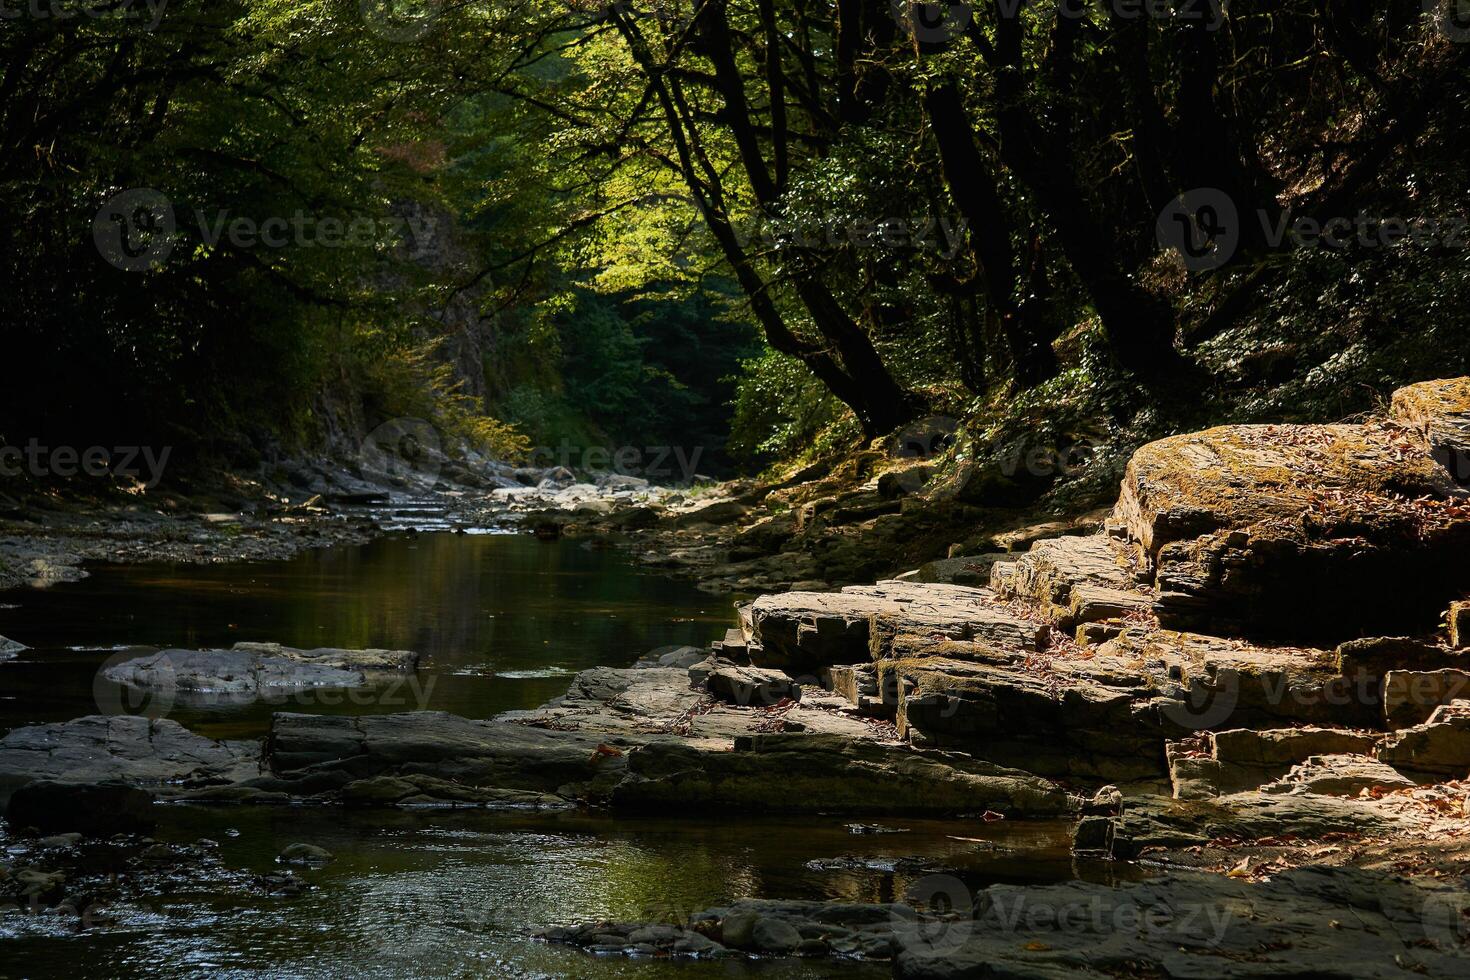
296, 505
1319, 922
1263, 650
1252, 676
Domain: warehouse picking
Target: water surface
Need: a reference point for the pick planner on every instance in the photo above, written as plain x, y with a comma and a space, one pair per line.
502, 622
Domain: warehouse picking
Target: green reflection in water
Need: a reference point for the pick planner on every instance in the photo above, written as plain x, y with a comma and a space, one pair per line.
502, 621
435, 893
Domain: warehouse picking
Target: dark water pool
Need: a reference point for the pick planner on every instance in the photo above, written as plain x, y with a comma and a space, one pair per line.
503, 622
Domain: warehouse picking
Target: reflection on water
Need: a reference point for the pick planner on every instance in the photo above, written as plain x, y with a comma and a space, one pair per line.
502, 622
453, 893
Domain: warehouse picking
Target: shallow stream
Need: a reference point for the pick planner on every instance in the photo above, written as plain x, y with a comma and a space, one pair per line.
502, 621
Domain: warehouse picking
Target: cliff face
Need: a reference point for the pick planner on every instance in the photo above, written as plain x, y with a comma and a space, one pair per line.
468, 336
348, 408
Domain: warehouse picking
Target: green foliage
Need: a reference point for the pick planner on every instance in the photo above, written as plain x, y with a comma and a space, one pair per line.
638, 370
585, 172
783, 413
416, 383
269, 129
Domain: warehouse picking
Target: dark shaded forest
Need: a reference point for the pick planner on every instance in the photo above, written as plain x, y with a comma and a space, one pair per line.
769, 228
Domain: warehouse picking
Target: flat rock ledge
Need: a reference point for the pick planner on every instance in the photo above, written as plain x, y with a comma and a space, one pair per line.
803, 632
255, 671
157, 754
639, 738
1319, 922
1147, 824
1307, 533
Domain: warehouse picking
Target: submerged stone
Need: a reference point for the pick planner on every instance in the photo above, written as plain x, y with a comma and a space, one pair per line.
254, 671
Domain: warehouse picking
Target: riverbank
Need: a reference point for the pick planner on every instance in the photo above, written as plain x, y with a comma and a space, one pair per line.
48, 536
1254, 668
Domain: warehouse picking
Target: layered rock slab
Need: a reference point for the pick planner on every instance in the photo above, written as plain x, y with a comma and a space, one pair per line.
441, 756
435, 757
803, 632
751, 686
1073, 580
1105, 713
1304, 532
1440, 746
623, 702
1237, 760
1339, 775
803, 773
641, 703
1055, 721
1148, 823
159, 754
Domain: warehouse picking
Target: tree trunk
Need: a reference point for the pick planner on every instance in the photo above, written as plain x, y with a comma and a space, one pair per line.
860, 381
972, 185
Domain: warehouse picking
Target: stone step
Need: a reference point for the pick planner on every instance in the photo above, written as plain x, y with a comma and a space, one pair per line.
858, 685
1240, 759
1339, 775
1073, 580
734, 647
1146, 823
1410, 697
806, 631
1087, 723
751, 686
1440, 746
1107, 712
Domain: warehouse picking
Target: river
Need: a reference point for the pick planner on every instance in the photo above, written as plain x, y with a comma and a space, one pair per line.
503, 622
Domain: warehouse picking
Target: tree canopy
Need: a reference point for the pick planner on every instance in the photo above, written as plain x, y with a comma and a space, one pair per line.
855, 212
